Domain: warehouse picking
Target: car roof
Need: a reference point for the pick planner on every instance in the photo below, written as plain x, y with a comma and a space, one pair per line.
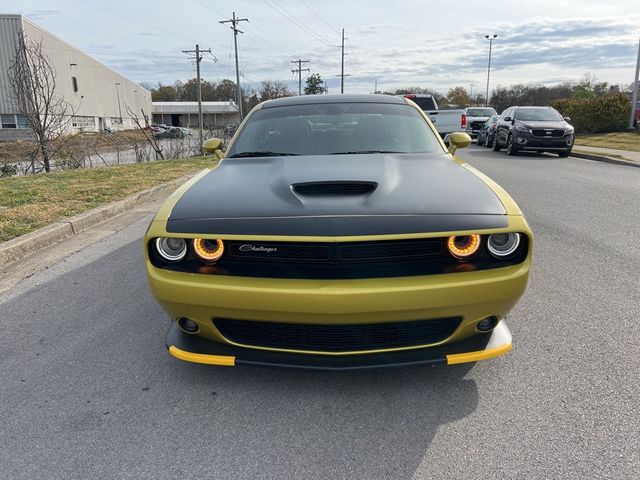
533, 106
338, 98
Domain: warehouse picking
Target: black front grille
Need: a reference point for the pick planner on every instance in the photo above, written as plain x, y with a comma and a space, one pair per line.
337, 338
336, 253
379, 250
334, 188
543, 132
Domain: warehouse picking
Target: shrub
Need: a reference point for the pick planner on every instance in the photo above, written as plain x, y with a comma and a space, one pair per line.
608, 113
8, 170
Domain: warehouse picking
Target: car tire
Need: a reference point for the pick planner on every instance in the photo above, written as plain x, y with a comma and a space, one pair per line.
564, 154
495, 146
511, 148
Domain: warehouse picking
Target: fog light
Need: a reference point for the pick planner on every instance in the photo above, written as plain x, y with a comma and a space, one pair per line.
188, 325
487, 324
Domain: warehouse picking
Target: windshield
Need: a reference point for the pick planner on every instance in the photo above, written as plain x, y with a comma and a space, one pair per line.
334, 128
480, 112
539, 114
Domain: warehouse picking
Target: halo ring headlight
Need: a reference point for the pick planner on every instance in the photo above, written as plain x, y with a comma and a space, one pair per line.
171, 249
502, 245
208, 250
463, 246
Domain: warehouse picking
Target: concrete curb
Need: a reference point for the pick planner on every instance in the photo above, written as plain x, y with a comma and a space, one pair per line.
600, 158
16, 248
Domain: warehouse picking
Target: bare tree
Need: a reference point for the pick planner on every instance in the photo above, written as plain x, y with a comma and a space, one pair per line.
150, 138
32, 76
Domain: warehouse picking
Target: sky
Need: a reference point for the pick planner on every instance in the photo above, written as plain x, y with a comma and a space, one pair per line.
431, 44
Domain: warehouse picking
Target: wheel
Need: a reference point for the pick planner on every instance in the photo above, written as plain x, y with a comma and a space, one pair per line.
564, 154
511, 148
495, 146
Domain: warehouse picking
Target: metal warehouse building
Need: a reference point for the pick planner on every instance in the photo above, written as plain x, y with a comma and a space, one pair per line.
98, 95
185, 114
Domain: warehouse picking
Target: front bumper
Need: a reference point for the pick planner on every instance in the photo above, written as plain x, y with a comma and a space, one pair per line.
529, 142
196, 349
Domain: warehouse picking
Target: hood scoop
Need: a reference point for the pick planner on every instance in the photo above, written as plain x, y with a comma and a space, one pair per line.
334, 188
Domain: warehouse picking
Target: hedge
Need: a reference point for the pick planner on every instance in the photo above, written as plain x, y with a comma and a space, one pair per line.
608, 113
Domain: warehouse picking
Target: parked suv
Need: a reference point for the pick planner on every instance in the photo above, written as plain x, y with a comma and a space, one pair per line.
476, 118
539, 129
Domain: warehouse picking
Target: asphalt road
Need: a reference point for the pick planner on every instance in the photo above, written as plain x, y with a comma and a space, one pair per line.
89, 391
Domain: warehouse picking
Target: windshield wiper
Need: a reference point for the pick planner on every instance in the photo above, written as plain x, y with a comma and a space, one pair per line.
261, 154
356, 152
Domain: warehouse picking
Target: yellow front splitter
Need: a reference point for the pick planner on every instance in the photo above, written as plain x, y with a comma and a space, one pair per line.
192, 348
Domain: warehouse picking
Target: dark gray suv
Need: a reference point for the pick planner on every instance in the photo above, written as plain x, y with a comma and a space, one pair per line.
539, 129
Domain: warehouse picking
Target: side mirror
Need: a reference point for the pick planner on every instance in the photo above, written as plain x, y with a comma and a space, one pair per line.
567, 119
507, 119
214, 147
457, 140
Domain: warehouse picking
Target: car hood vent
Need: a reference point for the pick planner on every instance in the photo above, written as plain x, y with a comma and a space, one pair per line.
332, 188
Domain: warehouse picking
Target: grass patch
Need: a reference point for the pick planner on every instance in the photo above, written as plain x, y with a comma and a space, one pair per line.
34, 201
618, 140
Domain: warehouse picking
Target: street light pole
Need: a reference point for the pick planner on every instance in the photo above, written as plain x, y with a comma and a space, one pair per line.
634, 95
491, 38
119, 107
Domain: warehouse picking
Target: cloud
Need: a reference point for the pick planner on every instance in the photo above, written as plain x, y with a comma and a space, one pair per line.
41, 14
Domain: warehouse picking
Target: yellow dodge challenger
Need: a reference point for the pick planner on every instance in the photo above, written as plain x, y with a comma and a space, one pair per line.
338, 232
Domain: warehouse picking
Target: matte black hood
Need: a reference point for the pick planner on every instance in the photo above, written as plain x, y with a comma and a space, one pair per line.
414, 193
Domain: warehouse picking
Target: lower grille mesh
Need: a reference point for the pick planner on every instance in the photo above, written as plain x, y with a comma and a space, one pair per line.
337, 338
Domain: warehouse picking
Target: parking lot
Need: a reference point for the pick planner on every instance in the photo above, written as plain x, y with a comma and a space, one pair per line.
90, 391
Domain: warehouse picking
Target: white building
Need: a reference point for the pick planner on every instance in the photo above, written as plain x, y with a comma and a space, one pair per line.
98, 95
185, 114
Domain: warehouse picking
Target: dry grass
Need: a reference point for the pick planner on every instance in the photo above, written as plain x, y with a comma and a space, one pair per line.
618, 140
19, 150
34, 201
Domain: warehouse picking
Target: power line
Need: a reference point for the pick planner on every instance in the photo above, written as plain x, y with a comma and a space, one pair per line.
234, 22
318, 15
288, 16
138, 21
299, 71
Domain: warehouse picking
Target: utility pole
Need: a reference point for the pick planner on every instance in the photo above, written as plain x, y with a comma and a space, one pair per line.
342, 75
234, 21
471, 85
491, 39
299, 71
197, 51
375, 89
634, 95
342, 68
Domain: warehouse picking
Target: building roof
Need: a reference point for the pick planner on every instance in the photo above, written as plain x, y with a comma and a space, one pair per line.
183, 108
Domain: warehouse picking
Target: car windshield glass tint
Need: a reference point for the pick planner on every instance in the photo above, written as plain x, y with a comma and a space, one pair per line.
480, 112
334, 128
425, 103
538, 114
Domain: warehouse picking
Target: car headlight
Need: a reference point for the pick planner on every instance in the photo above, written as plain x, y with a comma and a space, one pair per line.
171, 249
569, 131
463, 246
208, 250
522, 129
502, 245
